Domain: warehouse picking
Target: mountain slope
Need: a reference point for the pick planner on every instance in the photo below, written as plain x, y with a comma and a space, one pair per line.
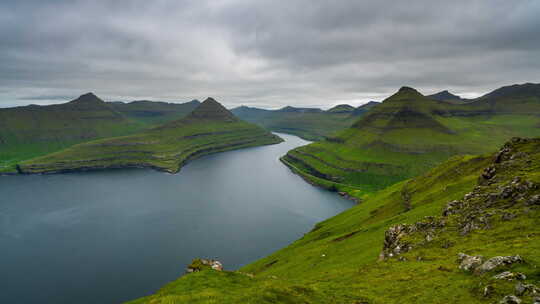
33, 130
408, 134
154, 112
480, 205
446, 96
208, 129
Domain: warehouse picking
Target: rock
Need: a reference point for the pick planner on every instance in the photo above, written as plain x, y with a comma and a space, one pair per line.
468, 262
510, 299
452, 207
507, 275
198, 265
489, 172
534, 200
536, 300
498, 261
393, 244
488, 290
216, 265
522, 289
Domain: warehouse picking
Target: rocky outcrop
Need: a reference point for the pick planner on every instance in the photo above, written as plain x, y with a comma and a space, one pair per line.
395, 238
200, 264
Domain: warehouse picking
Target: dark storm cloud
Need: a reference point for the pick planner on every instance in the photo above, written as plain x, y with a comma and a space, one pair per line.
267, 53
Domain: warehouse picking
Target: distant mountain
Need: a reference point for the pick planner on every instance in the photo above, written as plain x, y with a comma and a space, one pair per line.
210, 128
33, 130
446, 96
342, 108
364, 108
308, 123
409, 133
299, 110
154, 112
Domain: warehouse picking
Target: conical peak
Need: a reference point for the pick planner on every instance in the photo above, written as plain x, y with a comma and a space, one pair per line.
88, 98
405, 89
210, 109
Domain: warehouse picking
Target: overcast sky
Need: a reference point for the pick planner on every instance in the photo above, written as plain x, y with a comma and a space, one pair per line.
263, 53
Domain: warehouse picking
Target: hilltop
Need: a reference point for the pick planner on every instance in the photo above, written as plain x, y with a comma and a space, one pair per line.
463, 232
30, 131
208, 129
446, 96
409, 133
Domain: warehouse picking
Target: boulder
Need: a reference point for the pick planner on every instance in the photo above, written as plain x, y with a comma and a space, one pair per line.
469, 262
498, 261
510, 299
510, 276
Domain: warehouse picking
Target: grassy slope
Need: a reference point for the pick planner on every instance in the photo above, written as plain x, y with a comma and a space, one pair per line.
154, 113
408, 134
337, 262
310, 125
27, 132
208, 129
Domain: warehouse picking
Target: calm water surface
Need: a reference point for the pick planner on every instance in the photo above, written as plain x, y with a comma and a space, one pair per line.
112, 236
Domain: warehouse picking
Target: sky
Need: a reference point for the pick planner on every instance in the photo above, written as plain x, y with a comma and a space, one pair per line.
313, 53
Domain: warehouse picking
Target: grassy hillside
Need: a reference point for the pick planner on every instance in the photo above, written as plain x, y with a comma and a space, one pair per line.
409, 133
310, 124
366, 254
30, 131
208, 129
154, 112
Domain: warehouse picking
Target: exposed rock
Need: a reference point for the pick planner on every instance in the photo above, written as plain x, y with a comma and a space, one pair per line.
510, 299
452, 207
522, 289
507, 275
198, 264
507, 216
488, 290
534, 200
489, 172
498, 261
469, 262
536, 300
393, 237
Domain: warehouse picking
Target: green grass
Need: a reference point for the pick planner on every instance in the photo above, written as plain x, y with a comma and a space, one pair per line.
337, 262
408, 134
208, 129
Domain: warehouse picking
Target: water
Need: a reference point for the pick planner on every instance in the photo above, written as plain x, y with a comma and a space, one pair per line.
112, 236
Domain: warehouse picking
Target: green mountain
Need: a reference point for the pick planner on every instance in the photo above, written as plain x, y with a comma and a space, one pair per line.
30, 131
446, 96
364, 108
464, 232
409, 133
308, 123
208, 129
342, 108
154, 112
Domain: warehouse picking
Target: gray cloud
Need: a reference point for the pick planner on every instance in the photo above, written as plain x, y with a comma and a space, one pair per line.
265, 53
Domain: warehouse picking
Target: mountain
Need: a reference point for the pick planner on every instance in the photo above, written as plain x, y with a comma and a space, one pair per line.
409, 133
446, 96
30, 131
342, 108
308, 123
299, 110
364, 108
154, 112
466, 231
210, 128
